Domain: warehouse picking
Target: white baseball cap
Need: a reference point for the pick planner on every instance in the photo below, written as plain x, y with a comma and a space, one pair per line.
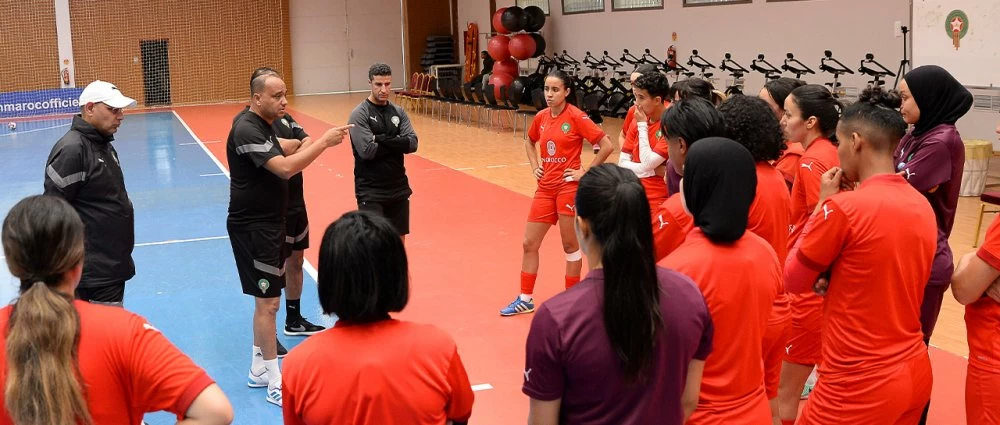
107, 93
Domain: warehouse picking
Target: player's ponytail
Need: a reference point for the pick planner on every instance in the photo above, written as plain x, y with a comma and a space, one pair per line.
42, 241
816, 101
613, 203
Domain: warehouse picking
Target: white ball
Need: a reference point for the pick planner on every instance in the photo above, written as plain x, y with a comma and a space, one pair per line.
12, 126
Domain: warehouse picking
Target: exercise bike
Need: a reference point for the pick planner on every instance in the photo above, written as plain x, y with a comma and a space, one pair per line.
762, 66
837, 69
795, 67
737, 71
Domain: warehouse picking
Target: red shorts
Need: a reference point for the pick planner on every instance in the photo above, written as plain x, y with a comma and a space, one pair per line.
774, 344
753, 410
896, 395
548, 205
804, 333
981, 407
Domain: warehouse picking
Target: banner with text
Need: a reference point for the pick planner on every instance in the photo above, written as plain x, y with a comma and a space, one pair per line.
40, 102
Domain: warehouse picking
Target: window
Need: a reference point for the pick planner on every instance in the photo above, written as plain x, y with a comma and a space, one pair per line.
582, 6
544, 4
636, 4
713, 2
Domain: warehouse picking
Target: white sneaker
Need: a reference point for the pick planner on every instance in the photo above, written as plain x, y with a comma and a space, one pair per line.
258, 380
274, 394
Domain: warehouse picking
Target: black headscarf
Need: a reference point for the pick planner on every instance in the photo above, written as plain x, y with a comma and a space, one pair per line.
940, 97
720, 183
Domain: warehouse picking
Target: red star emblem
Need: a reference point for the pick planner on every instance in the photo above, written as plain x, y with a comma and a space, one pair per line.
956, 24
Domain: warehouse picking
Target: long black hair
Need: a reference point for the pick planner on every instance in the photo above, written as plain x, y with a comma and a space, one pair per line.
780, 88
613, 202
816, 101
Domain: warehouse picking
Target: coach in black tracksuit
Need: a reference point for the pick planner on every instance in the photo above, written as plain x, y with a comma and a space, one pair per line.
83, 168
382, 134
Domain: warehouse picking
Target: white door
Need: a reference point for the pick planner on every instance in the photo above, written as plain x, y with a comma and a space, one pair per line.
319, 46
375, 34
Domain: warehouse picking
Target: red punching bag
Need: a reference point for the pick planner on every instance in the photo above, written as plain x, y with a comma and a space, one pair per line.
522, 46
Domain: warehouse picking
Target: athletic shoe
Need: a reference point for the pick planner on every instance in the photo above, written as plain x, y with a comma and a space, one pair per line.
281, 348
274, 394
518, 306
301, 327
255, 380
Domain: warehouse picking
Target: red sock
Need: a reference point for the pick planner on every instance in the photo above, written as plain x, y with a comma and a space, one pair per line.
528, 283
788, 422
572, 280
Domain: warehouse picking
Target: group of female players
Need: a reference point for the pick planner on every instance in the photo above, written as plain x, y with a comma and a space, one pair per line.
802, 234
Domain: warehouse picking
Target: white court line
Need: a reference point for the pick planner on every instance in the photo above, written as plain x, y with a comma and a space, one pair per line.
211, 174
495, 166
173, 241
195, 143
482, 387
305, 266
16, 132
464, 169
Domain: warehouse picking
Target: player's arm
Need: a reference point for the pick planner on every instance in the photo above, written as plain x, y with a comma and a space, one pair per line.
973, 276
210, 407
692, 387
66, 172
406, 141
362, 139
289, 146
544, 412
534, 134
288, 166
606, 149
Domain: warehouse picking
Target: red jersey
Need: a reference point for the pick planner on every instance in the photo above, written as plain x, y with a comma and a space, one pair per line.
671, 224
655, 185
878, 242
788, 164
562, 139
817, 159
386, 372
628, 122
739, 282
982, 318
127, 367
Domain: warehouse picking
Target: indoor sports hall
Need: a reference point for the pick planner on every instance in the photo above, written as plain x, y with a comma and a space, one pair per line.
188, 66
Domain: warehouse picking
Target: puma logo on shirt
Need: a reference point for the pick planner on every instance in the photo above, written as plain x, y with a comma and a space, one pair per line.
826, 211
662, 223
808, 166
527, 374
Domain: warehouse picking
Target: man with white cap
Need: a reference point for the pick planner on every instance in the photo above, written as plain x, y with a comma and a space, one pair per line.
83, 168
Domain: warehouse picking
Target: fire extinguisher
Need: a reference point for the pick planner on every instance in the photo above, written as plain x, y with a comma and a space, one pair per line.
671, 57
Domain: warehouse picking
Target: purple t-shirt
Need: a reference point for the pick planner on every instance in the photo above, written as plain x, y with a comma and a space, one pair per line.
569, 355
936, 158
673, 179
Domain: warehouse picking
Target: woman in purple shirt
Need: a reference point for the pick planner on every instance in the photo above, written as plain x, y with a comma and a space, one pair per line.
932, 157
627, 345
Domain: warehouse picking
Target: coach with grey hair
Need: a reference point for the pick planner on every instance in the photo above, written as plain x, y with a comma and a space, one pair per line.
381, 135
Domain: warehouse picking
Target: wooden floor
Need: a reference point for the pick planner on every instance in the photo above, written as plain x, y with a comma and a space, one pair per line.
496, 156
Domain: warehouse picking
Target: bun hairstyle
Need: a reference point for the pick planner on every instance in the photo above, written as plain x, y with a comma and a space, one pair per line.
876, 117
876, 96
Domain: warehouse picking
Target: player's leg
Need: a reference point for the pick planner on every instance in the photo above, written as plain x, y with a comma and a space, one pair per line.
540, 218
566, 203
297, 240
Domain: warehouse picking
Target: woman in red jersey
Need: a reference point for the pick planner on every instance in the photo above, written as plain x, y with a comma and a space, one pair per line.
561, 129
750, 122
372, 369
774, 93
737, 272
975, 286
646, 139
878, 242
811, 115
71, 362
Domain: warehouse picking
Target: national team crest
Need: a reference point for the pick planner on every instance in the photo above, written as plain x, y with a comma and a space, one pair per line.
565, 127
263, 284
395, 120
659, 133
550, 147
285, 122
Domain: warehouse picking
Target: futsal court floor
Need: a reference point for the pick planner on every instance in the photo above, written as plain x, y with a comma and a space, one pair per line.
472, 191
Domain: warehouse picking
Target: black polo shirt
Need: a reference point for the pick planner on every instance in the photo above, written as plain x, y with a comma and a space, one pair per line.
257, 197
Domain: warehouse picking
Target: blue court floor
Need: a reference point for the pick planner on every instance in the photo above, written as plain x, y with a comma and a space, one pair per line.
186, 283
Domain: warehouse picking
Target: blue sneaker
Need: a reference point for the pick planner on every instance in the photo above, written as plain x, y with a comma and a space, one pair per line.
518, 306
